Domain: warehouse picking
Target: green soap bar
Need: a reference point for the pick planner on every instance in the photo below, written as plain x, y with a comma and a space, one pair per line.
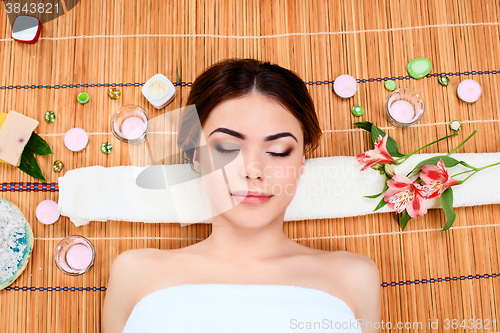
390, 85
419, 67
83, 97
358, 110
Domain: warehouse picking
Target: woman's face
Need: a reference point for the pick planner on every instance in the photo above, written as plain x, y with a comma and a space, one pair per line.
250, 144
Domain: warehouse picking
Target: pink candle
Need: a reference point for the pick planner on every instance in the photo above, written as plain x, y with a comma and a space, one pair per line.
46, 212
345, 86
79, 256
76, 139
402, 111
469, 91
132, 128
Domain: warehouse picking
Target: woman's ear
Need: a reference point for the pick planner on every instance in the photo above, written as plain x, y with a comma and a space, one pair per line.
302, 167
196, 161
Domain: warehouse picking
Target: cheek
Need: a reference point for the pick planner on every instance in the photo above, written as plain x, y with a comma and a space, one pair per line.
282, 180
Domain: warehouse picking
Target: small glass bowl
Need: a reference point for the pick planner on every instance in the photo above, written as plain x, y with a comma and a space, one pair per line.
122, 114
410, 96
62, 248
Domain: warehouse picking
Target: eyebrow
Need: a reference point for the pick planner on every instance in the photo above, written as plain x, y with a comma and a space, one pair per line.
242, 137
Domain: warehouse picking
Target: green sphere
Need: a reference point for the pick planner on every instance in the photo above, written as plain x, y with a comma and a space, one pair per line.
443, 80
358, 110
50, 117
83, 97
106, 148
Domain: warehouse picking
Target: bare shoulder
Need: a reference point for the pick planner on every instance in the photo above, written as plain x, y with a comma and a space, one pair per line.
361, 276
126, 274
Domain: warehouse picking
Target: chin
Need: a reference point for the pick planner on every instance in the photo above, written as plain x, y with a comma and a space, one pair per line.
254, 216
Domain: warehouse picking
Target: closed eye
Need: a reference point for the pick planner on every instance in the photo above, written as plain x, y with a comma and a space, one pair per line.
226, 151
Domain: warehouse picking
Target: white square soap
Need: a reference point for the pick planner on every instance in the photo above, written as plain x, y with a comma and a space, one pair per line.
14, 135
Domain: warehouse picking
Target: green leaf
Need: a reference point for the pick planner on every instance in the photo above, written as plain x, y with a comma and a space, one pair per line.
392, 145
448, 162
447, 203
366, 125
30, 166
381, 204
373, 196
403, 221
37, 145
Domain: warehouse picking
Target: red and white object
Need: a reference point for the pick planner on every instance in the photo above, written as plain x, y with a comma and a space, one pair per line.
26, 29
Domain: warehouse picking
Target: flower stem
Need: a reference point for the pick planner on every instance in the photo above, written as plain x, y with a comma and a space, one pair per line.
475, 171
463, 142
463, 172
404, 158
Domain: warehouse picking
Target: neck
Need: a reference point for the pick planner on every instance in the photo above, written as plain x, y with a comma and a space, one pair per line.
233, 242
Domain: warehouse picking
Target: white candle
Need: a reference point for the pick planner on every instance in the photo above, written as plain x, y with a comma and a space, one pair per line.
132, 128
46, 212
469, 91
79, 256
345, 86
402, 111
76, 139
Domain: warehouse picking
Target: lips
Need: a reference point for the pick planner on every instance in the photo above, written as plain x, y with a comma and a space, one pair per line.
251, 193
252, 197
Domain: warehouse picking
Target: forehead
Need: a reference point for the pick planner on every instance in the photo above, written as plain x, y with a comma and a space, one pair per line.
254, 115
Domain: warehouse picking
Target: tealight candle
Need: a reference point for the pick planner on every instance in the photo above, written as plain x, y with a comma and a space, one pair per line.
76, 139
469, 91
404, 107
74, 255
46, 212
402, 111
133, 128
130, 124
345, 86
79, 256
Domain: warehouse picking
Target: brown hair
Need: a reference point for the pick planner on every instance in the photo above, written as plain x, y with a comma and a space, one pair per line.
233, 78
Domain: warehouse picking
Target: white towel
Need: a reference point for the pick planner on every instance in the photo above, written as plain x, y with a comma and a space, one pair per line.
330, 187
222, 308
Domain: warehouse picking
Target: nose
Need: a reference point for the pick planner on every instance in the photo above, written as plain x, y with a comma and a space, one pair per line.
253, 167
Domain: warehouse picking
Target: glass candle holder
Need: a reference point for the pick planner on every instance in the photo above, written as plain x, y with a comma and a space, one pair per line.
130, 124
74, 255
404, 107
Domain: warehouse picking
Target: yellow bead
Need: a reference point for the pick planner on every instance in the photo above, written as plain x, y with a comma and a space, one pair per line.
114, 93
58, 166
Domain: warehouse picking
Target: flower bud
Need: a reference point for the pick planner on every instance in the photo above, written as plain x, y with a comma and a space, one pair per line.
389, 170
377, 166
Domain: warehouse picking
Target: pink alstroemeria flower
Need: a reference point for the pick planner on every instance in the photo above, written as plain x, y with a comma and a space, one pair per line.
436, 179
378, 155
403, 193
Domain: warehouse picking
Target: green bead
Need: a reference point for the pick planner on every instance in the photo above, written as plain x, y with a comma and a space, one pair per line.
106, 148
50, 117
358, 110
419, 67
443, 80
58, 166
83, 97
455, 125
390, 85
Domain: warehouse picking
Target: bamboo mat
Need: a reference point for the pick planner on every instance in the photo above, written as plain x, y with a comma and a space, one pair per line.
426, 275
